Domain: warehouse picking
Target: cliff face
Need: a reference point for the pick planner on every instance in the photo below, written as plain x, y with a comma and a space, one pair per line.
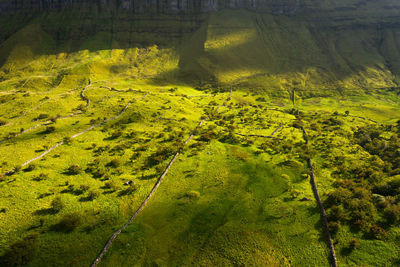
153, 6
250, 43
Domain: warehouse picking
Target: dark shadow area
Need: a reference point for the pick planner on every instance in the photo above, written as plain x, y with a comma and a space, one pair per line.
148, 176
44, 211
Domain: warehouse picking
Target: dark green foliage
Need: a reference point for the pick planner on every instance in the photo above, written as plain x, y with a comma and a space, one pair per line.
68, 223
130, 189
21, 252
111, 185
17, 169
42, 117
354, 243
30, 167
333, 227
93, 194
49, 129
57, 204
392, 213
40, 177
74, 169
67, 140
83, 188
162, 154
115, 163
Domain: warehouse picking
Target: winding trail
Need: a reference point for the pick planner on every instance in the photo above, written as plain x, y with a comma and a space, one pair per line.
144, 203
78, 134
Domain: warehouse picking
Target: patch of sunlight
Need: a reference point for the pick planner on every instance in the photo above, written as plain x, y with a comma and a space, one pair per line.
228, 40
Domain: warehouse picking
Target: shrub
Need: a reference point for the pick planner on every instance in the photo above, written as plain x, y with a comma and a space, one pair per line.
354, 243
333, 227
30, 167
74, 169
111, 185
57, 204
116, 134
377, 232
338, 196
68, 223
17, 168
49, 129
42, 117
392, 213
115, 163
84, 188
21, 252
2, 122
67, 140
192, 195
93, 194
41, 176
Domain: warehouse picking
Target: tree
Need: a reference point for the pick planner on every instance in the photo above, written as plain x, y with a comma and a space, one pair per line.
347, 112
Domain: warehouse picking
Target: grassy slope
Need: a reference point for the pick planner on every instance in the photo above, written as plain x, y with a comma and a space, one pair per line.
245, 213
254, 50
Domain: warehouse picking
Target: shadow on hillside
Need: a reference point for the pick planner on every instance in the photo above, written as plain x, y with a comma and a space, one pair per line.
274, 46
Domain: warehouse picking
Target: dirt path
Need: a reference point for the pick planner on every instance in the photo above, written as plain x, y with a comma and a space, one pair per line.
78, 134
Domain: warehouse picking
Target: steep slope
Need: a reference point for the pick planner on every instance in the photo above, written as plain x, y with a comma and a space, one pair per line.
340, 52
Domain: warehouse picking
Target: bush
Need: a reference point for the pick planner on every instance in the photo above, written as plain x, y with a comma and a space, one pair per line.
2, 122
67, 140
354, 243
192, 195
333, 227
115, 163
392, 213
49, 129
93, 194
41, 176
30, 167
116, 134
21, 252
68, 223
74, 169
17, 168
84, 188
111, 185
377, 232
57, 204
338, 196
42, 117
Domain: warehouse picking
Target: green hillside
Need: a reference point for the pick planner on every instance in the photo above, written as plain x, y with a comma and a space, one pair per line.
235, 105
